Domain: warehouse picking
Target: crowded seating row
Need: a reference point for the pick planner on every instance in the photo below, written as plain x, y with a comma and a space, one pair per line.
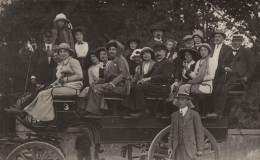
158, 69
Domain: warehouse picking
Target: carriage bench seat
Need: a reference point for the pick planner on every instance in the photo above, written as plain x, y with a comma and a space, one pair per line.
64, 98
235, 93
114, 96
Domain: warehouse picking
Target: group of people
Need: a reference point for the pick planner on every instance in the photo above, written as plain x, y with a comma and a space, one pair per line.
158, 68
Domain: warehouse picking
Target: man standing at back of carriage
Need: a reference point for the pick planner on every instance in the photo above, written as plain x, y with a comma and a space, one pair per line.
155, 85
186, 135
158, 32
43, 66
238, 66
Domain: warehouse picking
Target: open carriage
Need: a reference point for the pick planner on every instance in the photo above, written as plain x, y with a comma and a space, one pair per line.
143, 137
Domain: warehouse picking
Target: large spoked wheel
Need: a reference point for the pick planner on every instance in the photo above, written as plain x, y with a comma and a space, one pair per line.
36, 151
159, 149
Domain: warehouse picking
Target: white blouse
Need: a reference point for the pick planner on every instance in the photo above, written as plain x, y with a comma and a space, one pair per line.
81, 49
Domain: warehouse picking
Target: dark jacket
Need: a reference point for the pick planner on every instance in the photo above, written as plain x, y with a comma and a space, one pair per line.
153, 42
41, 69
162, 72
242, 64
193, 133
224, 51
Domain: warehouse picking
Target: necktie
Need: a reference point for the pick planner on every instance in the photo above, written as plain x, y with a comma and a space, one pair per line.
49, 54
80, 43
217, 46
181, 114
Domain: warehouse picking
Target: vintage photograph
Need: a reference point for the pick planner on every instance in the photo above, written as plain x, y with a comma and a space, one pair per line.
129, 79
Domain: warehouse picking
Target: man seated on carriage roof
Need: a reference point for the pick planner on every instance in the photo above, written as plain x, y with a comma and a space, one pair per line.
157, 84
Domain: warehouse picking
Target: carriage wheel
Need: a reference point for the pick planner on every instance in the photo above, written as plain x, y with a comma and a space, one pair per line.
36, 151
159, 149
137, 151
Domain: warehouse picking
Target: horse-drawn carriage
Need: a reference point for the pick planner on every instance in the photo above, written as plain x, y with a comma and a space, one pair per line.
147, 135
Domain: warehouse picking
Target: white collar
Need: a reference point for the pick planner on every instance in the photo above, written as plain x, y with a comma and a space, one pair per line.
50, 45
183, 110
220, 45
157, 39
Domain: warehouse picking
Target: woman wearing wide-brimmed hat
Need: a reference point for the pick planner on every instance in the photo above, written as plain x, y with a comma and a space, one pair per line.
145, 68
61, 32
132, 44
69, 82
190, 57
116, 80
203, 74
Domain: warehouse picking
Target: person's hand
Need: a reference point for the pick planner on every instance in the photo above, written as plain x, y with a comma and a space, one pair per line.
170, 152
199, 153
144, 80
228, 69
48, 87
33, 80
186, 66
61, 80
244, 79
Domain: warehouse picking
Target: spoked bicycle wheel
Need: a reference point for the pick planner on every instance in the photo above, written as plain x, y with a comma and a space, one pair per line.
159, 147
36, 150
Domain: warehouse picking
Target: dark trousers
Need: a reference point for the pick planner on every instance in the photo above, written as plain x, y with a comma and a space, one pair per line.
220, 95
147, 89
84, 154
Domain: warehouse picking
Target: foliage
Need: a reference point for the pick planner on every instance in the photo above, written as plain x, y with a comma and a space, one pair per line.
121, 19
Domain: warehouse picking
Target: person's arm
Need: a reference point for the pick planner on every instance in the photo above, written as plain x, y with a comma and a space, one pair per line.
165, 75
54, 35
193, 73
77, 75
210, 73
250, 62
191, 69
90, 78
136, 76
199, 131
72, 45
35, 58
122, 72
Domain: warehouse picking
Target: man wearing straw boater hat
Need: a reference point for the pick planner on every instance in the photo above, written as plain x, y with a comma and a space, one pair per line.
186, 136
220, 50
238, 65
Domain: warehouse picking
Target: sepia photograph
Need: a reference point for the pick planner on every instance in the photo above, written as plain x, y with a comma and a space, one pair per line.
129, 79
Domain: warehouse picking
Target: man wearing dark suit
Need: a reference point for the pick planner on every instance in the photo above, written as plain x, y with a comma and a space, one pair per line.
157, 31
186, 135
155, 85
237, 65
43, 65
220, 50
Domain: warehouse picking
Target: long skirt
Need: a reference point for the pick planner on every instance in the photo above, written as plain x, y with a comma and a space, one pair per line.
41, 108
95, 101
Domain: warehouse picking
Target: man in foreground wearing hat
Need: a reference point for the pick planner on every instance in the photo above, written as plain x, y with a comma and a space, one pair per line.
238, 65
186, 136
157, 31
43, 65
157, 84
